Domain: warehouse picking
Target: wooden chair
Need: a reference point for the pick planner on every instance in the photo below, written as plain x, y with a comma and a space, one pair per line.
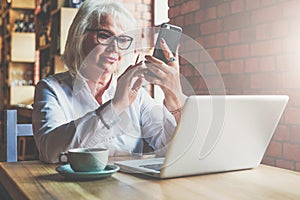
11, 132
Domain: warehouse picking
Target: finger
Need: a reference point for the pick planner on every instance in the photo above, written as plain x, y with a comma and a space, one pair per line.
137, 59
152, 79
137, 84
130, 70
155, 64
165, 48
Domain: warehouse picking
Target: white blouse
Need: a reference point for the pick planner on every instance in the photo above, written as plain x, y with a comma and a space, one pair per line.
66, 115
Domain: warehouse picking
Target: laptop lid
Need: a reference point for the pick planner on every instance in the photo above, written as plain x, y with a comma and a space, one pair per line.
220, 133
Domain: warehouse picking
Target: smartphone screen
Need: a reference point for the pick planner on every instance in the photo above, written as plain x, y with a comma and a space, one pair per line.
171, 34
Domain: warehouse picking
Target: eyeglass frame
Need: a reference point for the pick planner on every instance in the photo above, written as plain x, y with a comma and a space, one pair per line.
112, 35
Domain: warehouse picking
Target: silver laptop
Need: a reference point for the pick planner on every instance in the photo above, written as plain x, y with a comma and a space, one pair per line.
216, 134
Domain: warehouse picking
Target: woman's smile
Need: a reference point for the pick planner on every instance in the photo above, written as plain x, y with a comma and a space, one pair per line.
110, 58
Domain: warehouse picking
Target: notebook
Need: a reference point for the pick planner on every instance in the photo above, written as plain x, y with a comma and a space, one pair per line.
216, 134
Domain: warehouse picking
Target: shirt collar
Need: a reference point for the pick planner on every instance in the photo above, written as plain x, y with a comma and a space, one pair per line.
80, 83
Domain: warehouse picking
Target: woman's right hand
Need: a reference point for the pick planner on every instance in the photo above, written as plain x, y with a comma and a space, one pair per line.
125, 95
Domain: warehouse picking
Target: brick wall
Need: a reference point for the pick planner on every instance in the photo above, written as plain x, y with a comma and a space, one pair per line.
142, 10
256, 47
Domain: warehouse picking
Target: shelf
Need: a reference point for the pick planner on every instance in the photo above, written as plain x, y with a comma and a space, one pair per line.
23, 60
23, 4
25, 40
21, 95
66, 18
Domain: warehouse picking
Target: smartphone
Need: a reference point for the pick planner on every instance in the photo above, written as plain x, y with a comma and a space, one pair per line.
171, 34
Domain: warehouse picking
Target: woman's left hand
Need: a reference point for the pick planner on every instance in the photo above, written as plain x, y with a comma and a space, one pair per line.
167, 76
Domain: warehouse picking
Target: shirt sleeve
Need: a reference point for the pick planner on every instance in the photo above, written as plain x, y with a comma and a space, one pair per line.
55, 133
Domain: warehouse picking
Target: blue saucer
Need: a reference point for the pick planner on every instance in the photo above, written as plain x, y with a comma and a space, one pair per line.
67, 171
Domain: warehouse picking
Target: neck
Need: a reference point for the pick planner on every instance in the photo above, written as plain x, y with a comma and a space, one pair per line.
100, 85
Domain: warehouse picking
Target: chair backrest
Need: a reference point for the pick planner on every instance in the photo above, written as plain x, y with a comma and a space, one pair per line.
11, 132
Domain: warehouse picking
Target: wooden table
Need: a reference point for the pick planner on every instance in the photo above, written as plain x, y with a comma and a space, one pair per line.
36, 180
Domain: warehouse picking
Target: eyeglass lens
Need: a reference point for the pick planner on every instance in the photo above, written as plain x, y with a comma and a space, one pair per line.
105, 38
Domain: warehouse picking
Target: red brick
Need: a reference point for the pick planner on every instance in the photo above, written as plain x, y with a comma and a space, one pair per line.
274, 149
204, 56
205, 15
224, 67
222, 39
262, 31
142, 7
209, 41
215, 53
292, 116
237, 21
200, 40
179, 20
291, 8
211, 27
295, 135
294, 95
146, 16
266, 14
187, 70
285, 164
202, 84
237, 51
236, 66
213, 82
282, 133
252, 65
234, 81
189, 19
293, 27
190, 6
234, 37
223, 9
291, 44
211, 69
291, 151
174, 12
211, 13
237, 6
270, 47
248, 35
194, 82
192, 30
171, 3
268, 161
265, 81
267, 63
191, 57
252, 4
199, 16
279, 29
288, 62
291, 80
189, 44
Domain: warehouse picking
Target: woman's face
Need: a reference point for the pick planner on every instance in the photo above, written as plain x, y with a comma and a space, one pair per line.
103, 58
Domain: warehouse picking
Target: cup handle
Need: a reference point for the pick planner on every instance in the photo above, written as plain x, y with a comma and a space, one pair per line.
63, 158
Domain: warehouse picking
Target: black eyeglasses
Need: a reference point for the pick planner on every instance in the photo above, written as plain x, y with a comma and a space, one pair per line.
105, 37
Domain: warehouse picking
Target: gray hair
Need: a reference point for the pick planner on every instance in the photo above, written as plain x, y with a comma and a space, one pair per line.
89, 14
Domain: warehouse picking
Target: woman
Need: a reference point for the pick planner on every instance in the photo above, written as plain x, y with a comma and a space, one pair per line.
88, 106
